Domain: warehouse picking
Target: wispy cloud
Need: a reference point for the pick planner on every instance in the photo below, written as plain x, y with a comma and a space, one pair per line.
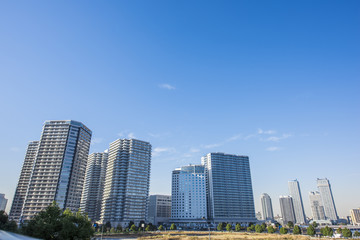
96, 140
272, 149
126, 133
214, 145
277, 139
194, 150
158, 150
167, 86
269, 132
234, 138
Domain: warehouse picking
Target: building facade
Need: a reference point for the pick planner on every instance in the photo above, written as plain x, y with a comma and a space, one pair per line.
159, 209
317, 208
266, 206
188, 193
324, 188
3, 202
59, 168
92, 194
24, 179
229, 188
127, 182
295, 193
355, 216
287, 209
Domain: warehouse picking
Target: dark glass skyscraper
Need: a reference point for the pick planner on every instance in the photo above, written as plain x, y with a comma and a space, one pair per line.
229, 188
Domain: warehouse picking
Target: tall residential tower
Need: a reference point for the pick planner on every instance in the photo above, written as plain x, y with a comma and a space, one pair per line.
91, 198
295, 193
127, 182
229, 188
327, 199
58, 171
287, 209
317, 208
266, 205
24, 179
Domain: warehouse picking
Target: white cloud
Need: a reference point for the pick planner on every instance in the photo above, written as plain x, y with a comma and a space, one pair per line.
167, 86
276, 139
269, 132
272, 149
131, 135
213, 145
96, 140
158, 150
234, 138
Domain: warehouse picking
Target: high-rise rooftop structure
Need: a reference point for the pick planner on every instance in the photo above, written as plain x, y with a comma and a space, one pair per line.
324, 188
266, 205
355, 216
3, 202
295, 193
317, 208
159, 210
127, 182
287, 209
229, 188
24, 180
91, 198
59, 167
188, 204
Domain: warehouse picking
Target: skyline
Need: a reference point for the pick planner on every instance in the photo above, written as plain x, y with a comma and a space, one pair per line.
275, 81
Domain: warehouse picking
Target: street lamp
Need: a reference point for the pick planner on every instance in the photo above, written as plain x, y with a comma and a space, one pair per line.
208, 223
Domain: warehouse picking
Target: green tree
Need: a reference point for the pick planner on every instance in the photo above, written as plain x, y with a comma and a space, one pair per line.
258, 228
283, 230
315, 224
346, 232
339, 230
297, 230
173, 226
161, 228
290, 224
220, 226
248, 229
148, 228
270, 229
310, 230
356, 234
112, 230
263, 227
228, 227
238, 227
5, 224
133, 228
51, 223
327, 231
119, 228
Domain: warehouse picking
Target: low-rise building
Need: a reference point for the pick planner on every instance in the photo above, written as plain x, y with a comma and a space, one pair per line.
159, 210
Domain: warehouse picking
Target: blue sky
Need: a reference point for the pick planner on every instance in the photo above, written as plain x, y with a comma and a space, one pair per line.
275, 80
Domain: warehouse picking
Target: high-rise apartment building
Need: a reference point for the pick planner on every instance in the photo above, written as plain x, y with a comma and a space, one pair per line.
188, 204
3, 202
287, 209
229, 188
317, 208
324, 188
59, 167
266, 205
92, 194
127, 182
159, 210
295, 193
24, 179
355, 216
